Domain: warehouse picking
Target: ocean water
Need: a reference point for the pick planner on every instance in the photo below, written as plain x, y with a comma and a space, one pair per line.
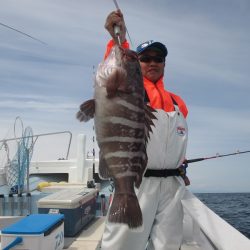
232, 207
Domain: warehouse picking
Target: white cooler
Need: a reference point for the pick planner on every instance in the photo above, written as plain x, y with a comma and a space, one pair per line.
78, 205
35, 232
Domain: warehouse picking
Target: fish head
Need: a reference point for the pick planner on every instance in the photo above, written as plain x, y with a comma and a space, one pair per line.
120, 73
107, 68
130, 64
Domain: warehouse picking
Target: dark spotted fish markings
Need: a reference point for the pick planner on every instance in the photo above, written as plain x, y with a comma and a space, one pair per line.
123, 123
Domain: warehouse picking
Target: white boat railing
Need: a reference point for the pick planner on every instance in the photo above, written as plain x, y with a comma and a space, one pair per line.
36, 137
209, 230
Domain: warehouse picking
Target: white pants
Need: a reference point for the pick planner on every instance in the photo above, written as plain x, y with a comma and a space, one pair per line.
160, 202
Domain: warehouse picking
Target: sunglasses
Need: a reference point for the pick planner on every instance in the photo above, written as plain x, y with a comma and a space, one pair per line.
156, 59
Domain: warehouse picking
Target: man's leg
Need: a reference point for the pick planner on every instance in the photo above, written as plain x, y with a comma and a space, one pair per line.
119, 236
167, 231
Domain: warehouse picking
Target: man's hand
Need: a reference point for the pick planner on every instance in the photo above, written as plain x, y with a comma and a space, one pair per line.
116, 18
183, 172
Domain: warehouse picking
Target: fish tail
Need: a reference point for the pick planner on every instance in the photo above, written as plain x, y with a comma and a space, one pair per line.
125, 209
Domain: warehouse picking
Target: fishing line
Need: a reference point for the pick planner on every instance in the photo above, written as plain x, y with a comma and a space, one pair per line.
23, 33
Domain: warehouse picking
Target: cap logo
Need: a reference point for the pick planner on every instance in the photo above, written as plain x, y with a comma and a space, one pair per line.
147, 43
144, 45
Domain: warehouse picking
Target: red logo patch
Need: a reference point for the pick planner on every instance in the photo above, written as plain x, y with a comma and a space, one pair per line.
181, 131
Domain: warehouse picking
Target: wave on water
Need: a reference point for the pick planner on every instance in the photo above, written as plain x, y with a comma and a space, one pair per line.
232, 207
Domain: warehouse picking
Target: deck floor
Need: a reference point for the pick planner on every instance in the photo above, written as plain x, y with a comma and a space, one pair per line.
90, 238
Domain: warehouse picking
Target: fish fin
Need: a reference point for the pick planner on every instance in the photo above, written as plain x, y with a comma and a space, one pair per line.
149, 117
125, 209
116, 80
144, 163
87, 111
103, 167
138, 180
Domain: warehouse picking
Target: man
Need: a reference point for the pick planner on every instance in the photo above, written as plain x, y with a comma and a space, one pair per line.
162, 188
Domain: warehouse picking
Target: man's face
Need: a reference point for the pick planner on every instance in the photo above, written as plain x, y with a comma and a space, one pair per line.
152, 65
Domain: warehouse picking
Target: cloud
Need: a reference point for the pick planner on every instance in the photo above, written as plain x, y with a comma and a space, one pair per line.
213, 130
35, 105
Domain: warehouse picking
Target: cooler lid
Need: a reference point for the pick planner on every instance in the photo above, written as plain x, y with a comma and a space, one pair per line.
35, 224
67, 198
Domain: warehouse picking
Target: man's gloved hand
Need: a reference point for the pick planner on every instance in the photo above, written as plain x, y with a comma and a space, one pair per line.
116, 18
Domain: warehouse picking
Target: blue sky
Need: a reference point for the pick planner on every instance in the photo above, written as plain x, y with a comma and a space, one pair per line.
208, 65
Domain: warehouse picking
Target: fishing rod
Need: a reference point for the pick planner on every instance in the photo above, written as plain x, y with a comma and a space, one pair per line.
216, 156
23, 33
117, 28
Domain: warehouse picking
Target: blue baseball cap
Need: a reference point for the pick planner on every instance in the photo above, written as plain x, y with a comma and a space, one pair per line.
151, 44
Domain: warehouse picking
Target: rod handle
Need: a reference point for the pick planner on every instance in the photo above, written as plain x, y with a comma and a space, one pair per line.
195, 160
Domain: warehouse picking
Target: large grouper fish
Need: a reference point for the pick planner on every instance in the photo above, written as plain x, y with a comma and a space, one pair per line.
122, 125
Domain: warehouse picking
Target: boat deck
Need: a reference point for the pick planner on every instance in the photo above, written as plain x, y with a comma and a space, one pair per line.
90, 238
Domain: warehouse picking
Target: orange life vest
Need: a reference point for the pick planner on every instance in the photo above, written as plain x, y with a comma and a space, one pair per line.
111, 44
159, 98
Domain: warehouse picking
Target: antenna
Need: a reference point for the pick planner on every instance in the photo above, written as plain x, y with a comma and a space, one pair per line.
93, 151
